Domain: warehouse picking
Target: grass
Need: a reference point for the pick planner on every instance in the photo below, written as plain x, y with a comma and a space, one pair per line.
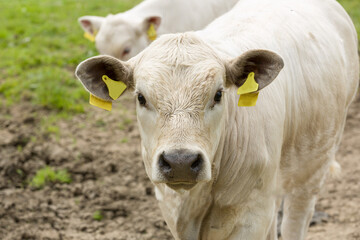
97, 215
49, 123
48, 175
41, 43
124, 140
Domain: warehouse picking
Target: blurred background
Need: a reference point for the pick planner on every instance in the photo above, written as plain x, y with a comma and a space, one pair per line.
72, 171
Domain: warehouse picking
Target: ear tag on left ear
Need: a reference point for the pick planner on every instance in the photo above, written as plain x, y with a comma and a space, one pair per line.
247, 92
116, 88
97, 102
89, 36
151, 32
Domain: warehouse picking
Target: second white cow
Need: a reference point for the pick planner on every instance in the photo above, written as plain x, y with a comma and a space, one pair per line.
126, 34
220, 171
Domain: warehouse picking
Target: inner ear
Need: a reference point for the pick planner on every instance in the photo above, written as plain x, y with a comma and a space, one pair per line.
91, 24
265, 64
155, 20
91, 71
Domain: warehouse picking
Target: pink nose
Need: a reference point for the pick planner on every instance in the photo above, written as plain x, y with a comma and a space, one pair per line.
180, 165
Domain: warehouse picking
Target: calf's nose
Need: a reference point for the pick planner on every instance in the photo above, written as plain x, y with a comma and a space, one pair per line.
180, 165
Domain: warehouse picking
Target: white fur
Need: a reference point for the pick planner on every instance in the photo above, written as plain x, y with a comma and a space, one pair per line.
127, 29
283, 147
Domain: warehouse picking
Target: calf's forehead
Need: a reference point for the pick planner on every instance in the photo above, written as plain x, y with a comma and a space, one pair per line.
178, 62
109, 32
185, 49
184, 87
203, 74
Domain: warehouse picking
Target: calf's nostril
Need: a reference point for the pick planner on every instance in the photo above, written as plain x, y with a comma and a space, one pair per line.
163, 164
196, 165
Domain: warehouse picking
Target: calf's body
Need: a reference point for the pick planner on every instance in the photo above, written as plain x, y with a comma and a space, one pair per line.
284, 145
124, 35
251, 157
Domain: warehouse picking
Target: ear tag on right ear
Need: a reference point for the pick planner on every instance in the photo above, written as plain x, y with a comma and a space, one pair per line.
116, 88
151, 32
97, 102
89, 36
247, 92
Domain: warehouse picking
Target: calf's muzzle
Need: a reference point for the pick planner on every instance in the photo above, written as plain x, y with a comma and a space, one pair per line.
180, 166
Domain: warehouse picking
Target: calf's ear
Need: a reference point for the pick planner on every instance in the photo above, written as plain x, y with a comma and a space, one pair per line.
155, 20
92, 72
91, 24
150, 25
265, 64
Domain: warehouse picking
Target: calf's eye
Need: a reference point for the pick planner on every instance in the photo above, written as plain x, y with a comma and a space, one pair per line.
126, 51
218, 96
141, 99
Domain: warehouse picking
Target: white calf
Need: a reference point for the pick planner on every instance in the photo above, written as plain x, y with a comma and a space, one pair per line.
220, 171
126, 34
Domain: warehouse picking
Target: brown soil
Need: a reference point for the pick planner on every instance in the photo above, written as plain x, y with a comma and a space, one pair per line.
101, 151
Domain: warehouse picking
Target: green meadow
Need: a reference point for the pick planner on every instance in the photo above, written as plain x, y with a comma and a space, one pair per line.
41, 43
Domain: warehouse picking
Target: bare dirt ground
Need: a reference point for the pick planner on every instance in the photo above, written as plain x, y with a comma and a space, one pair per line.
102, 152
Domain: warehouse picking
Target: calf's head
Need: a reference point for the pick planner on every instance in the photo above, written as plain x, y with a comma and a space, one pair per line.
182, 91
120, 36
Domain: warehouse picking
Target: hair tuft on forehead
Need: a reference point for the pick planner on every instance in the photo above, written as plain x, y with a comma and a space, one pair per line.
180, 49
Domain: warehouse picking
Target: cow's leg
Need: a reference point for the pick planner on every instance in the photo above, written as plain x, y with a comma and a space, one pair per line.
273, 232
299, 206
298, 210
255, 224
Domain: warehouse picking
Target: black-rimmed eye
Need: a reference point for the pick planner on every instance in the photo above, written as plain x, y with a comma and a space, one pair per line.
141, 99
218, 96
126, 51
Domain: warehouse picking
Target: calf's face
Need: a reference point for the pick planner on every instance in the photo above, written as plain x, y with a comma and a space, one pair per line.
181, 87
119, 35
180, 112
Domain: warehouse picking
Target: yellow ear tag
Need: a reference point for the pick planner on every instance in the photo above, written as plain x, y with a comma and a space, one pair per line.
97, 102
247, 92
116, 88
89, 36
151, 32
